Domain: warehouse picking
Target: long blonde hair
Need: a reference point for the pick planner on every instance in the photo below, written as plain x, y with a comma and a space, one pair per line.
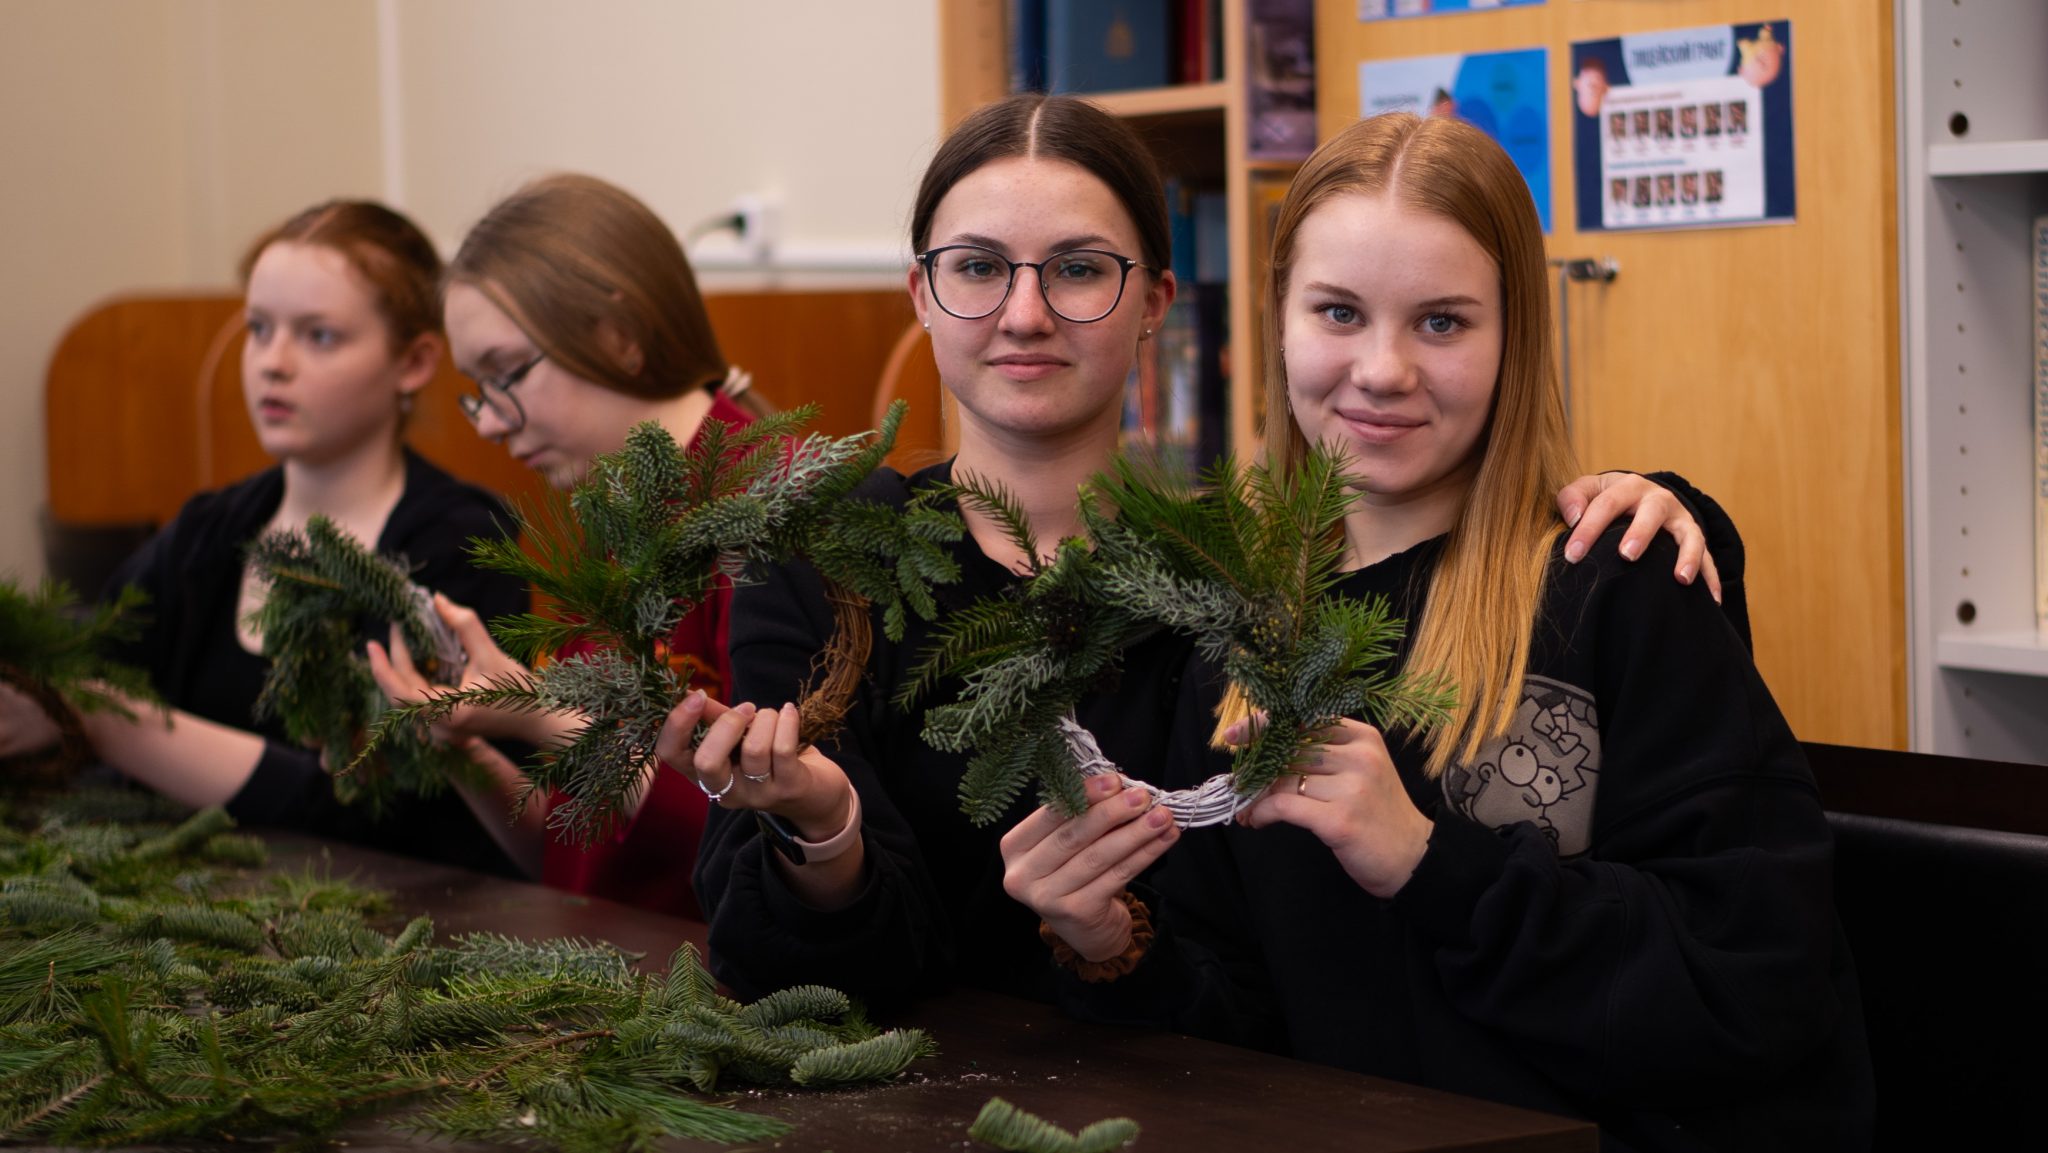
1483, 597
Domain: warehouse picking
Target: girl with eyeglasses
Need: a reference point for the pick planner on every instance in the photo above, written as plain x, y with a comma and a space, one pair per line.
343, 330
1602, 887
575, 310
1042, 266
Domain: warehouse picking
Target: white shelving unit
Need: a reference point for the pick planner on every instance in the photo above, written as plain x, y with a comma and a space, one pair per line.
1973, 162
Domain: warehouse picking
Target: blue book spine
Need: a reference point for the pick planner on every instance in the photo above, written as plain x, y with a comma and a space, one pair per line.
1106, 45
1027, 45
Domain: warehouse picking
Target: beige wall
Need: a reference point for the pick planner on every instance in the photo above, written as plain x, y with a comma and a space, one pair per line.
144, 141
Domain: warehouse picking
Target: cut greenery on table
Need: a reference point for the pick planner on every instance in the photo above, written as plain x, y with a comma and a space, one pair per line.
152, 989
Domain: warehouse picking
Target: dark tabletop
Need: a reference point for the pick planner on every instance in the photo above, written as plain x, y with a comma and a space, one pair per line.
1187, 1095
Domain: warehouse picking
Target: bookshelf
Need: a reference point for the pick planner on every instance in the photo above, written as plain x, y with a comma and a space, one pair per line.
1199, 133
1974, 175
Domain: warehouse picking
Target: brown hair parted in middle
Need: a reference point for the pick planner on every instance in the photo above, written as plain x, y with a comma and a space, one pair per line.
1482, 600
569, 255
387, 249
1052, 128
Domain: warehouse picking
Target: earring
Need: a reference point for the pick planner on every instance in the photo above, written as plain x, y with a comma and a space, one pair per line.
405, 404
927, 326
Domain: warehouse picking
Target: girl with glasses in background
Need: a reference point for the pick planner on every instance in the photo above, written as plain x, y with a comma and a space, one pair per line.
575, 310
343, 330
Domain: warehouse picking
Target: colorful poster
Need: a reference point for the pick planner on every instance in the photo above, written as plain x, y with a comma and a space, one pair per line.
1504, 94
1684, 128
1397, 9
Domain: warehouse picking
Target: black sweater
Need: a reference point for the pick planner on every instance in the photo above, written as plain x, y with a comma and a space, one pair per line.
192, 571
931, 909
1624, 913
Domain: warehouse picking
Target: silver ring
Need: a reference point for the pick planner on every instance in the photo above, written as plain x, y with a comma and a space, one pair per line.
715, 795
763, 779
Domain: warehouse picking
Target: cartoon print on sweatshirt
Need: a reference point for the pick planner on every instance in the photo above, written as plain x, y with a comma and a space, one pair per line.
1545, 769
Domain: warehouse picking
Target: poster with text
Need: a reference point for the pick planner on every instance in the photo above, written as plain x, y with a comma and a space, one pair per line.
1397, 9
1504, 94
1684, 128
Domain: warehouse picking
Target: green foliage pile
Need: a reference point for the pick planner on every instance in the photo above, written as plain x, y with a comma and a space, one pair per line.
323, 584
151, 991
644, 539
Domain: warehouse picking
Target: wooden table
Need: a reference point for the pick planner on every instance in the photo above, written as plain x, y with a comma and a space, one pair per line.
1188, 1095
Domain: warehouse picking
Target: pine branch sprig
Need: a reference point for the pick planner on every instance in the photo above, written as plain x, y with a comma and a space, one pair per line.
1015, 1130
324, 588
58, 654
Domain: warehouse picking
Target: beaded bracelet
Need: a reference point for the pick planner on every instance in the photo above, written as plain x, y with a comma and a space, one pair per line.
1098, 972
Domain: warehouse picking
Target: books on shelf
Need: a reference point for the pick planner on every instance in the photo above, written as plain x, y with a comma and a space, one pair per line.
1175, 400
1083, 46
2040, 279
1280, 79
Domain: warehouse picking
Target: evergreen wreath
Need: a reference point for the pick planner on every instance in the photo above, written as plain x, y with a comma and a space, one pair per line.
1246, 566
152, 990
643, 539
323, 583
55, 653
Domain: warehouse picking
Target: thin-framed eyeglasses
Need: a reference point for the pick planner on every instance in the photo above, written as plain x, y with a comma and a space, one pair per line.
495, 393
1081, 285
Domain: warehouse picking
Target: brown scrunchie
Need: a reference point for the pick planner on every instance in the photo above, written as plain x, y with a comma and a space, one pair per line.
1097, 972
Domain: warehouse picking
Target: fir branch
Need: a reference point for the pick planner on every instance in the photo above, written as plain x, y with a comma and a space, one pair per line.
58, 655
324, 587
1007, 1127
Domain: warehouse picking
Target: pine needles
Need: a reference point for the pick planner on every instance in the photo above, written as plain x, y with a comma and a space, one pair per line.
643, 540
324, 586
1248, 568
1022, 662
183, 1000
1009, 1128
56, 654
1245, 567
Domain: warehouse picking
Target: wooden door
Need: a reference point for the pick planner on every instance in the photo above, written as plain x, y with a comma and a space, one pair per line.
1760, 362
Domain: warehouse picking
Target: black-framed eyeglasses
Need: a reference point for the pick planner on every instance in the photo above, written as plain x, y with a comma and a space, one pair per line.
1081, 285
495, 393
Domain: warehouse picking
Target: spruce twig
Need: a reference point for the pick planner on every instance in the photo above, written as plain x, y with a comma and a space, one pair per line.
55, 653
324, 588
1015, 1130
644, 539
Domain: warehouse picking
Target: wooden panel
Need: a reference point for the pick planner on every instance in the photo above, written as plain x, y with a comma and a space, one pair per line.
145, 399
1760, 362
974, 57
826, 348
